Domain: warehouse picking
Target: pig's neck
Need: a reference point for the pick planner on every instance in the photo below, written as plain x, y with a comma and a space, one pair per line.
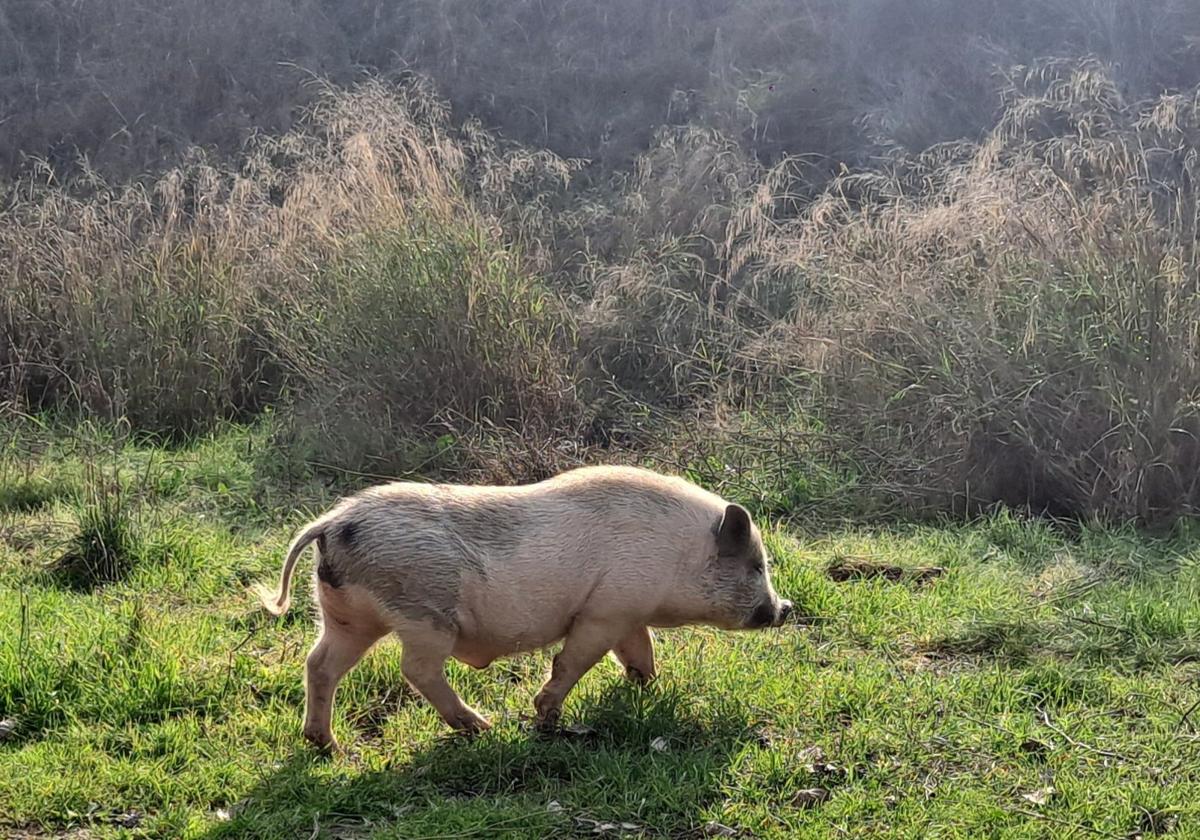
666, 621
680, 603
676, 616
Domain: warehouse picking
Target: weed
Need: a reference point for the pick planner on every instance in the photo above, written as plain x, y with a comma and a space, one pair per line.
106, 547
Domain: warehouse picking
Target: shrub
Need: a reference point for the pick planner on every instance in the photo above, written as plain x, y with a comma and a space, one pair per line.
1015, 322
206, 294
423, 333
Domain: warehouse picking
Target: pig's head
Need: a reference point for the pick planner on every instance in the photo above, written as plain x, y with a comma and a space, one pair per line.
737, 577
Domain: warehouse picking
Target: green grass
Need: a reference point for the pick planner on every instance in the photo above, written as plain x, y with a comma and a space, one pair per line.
1045, 685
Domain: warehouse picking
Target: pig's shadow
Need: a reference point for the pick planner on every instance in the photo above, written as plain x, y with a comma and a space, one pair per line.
653, 757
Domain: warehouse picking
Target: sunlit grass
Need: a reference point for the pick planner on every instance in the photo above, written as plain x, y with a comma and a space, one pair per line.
1043, 685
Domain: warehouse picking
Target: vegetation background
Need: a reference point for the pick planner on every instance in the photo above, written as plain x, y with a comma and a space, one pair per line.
948, 243
866, 262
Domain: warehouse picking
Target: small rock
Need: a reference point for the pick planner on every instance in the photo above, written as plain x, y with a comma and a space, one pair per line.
554, 806
716, 829
8, 728
130, 819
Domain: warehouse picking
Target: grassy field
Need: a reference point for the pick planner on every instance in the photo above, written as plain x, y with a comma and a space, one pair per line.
1029, 682
879, 270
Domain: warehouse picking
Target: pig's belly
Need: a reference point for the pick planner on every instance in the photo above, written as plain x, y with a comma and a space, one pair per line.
494, 625
479, 651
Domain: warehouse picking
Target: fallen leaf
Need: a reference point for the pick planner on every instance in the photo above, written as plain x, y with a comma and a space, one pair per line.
1038, 797
554, 806
811, 755
810, 797
716, 829
659, 744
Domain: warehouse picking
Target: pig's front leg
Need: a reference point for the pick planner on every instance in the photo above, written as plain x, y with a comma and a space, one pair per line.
636, 653
585, 645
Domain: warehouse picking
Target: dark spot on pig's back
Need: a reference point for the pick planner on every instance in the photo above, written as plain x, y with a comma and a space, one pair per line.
347, 533
327, 572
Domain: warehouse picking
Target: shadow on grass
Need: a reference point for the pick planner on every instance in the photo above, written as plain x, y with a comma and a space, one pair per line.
647, 758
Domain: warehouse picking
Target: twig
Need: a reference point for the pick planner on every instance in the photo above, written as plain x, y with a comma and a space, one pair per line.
989, 724
1057, 821
1107, 626
1080, 744
1184, 718
355, 473
1073, 592
232, 651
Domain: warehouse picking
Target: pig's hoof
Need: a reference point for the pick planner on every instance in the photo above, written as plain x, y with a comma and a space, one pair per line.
323, 741
470, 725
547, 721
638, 676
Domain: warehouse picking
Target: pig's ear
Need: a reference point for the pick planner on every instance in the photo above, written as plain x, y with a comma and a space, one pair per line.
733, 534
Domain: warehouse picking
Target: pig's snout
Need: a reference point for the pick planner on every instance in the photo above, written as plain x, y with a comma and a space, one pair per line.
771, 614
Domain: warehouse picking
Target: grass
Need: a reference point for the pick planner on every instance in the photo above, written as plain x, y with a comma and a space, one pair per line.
1045, 685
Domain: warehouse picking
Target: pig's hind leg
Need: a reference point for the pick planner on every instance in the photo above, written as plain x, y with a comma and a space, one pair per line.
349, 628
636, 653
423, 663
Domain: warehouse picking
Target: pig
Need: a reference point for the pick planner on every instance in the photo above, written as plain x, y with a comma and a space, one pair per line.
595, 557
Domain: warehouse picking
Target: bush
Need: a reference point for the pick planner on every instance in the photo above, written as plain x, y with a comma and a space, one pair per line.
1009, 321
208, 293
1015, 322
424, 334
837, 79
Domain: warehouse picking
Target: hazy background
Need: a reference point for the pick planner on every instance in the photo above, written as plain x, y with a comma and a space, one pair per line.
132, 84
917, 255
